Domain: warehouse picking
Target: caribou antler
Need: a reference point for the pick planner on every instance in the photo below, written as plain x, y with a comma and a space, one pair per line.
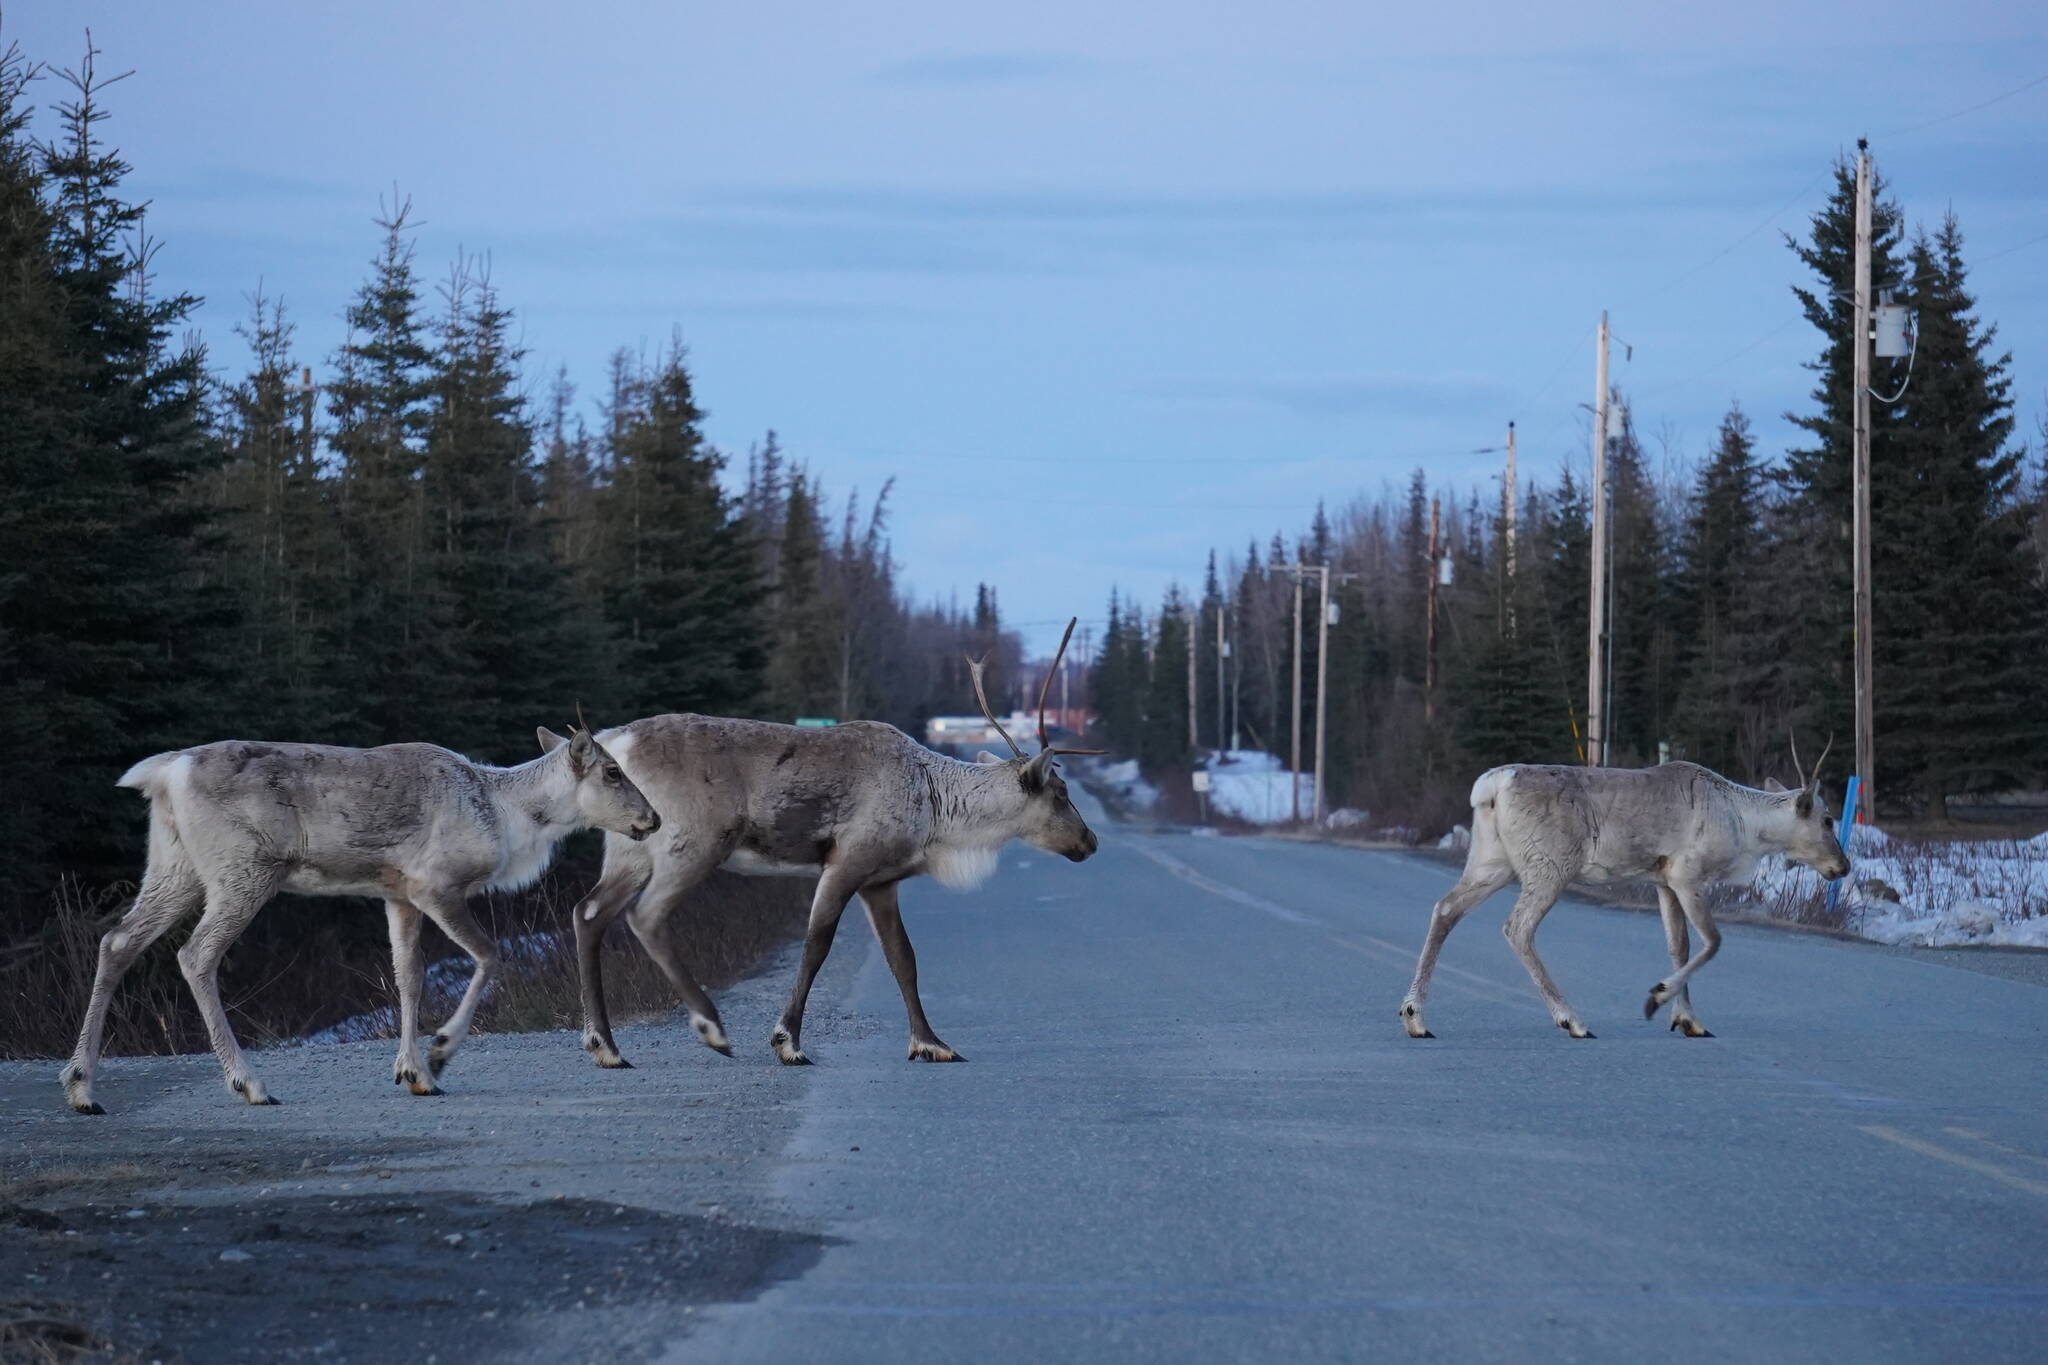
975, 666
1046, 687
1821, 760
1801, 771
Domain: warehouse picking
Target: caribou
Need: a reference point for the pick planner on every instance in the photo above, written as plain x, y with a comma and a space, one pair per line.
1677, 825
421, 828
859, 806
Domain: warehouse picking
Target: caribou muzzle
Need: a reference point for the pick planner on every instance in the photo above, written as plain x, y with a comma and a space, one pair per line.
1086, 850
641, 829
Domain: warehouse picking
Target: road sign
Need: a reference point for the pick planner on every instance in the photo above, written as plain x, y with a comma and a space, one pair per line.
815, 722
1201, 779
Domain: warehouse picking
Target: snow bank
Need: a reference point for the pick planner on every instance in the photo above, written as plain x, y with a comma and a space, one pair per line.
1123, 781
1928, 893
1256, 787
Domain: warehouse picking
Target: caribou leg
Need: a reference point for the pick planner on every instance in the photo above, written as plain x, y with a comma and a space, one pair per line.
885, 917
229, 908
1479, 881
1673, 986
1682, 1018
828, 903
1530, 908
674, 874
409, 973
452, 914
169, 893
621, 881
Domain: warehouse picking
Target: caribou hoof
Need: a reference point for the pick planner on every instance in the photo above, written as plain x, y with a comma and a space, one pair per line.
1691, 1028
933, 1051
604, 1053
88, 1107
786, 1050
1575, 1028
712, 1033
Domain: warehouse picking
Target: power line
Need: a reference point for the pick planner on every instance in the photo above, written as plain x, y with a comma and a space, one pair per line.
1985, 104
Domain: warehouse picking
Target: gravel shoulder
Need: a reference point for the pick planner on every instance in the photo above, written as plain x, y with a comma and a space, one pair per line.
542, 1209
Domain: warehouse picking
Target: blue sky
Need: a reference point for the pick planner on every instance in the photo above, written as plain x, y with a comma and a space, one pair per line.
1101, 285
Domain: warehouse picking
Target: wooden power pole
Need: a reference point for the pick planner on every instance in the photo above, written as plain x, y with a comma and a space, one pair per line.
1507, 517
1294, 757
1429, 624
1866, 742
1322, 686
1596, 618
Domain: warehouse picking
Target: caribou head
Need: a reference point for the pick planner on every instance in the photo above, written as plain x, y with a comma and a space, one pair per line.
1049, 820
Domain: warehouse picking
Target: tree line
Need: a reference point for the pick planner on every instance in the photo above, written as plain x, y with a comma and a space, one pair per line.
1731, 618
393, 544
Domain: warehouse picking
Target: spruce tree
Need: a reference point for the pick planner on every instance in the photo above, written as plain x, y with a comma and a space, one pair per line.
284, 553
801, 678
677, 571
1720, 555
396, 674
1960, 651
1163, 741
514, 648
113, 641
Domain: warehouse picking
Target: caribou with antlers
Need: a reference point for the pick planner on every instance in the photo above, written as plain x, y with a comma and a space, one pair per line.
1677, 825
860, 806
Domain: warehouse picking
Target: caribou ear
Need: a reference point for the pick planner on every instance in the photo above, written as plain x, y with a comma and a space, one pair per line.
549, 740
1037, 770
985, 757
1772, 784
582, 751
1803, 807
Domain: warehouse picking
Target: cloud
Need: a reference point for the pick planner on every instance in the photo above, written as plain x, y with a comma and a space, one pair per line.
982, 68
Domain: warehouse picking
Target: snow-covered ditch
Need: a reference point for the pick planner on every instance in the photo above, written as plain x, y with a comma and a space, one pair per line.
1929, 893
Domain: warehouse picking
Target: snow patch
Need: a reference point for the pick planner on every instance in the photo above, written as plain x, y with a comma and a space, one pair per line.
1929, 893
1256, 787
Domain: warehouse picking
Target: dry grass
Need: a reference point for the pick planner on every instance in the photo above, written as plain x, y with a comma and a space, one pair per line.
306, 966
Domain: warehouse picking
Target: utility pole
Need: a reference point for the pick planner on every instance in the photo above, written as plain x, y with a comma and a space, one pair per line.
1294, 763
1429, 626
1066, 715
307, 388
1222, 653
1866, 739
1194, 716
1507, 516
1322, 686
1596, 618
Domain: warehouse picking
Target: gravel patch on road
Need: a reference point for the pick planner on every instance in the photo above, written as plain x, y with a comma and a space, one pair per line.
542, 1209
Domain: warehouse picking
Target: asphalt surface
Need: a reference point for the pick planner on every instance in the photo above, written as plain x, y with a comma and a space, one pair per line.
1191, 1129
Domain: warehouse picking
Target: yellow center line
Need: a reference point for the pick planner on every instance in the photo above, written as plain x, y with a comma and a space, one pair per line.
1968, 1163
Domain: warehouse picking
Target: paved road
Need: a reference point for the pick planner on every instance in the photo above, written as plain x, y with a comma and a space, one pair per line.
1192, 1130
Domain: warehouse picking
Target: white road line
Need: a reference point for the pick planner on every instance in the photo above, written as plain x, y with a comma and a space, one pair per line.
1373, 944
1968, 1163
1223, 889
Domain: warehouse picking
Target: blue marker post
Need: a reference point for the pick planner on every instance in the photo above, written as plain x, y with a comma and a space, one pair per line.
1842, 834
